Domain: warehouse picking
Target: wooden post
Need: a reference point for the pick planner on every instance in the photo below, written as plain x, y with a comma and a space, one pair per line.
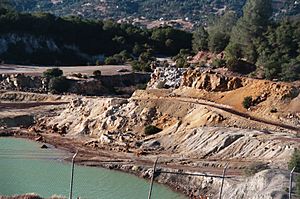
152, 179
221, 188
291, 183
72, 176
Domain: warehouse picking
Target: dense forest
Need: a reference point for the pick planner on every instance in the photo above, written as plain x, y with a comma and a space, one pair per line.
194, 10
254, 42
77, 39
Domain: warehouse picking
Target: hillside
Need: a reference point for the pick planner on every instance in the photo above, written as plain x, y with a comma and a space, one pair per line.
203, 126
193, 10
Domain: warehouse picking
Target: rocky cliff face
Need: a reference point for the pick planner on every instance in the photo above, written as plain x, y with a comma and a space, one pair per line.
33, 49
210, 81
199, 78
30, 43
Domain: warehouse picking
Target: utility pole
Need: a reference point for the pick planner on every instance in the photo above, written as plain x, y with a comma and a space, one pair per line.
72, 175
152, 179
291, 183
221, 188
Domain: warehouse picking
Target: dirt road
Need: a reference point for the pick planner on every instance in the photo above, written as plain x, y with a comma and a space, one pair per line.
38, 70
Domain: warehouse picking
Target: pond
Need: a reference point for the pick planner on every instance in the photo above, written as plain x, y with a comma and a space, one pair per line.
26, 168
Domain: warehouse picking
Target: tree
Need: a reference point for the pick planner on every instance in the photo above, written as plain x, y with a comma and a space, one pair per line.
219, 32
5, 4
250, 28
200, 40
53, 72
291, 71
218, 41
279, 52
181, 58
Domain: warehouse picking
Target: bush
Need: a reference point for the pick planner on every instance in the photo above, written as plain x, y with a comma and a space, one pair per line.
255, 168
111, 61
218, 63
295, 161
59, 84
151, 130
52, 72
97, 73
119, 58
247, 102
141, 66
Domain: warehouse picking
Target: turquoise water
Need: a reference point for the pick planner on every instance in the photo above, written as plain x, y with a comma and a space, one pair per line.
26, 168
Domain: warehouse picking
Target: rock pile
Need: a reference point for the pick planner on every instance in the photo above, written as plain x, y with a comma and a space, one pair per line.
168, 77
23, 83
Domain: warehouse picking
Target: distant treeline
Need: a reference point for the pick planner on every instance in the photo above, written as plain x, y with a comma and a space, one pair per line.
91, 37
195, 10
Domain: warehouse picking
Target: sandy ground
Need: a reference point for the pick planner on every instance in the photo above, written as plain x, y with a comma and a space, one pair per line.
37, 70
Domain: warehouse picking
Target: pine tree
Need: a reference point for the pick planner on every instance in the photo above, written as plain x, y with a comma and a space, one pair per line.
200, 39
250, 28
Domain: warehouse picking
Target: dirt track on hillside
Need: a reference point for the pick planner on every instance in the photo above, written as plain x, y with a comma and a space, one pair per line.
244, 115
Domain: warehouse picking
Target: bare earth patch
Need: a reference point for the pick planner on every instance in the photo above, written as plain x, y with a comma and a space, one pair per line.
38, 70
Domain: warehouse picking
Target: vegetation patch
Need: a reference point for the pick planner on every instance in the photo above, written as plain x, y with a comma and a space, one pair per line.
59, 84
247, 102
151, 130
255, 168
52, 72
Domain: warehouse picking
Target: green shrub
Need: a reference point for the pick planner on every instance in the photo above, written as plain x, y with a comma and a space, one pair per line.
151, 130
218, 63
141, 66
255, 168
111, 61
52, 72
295, 161
59, 84
247, 102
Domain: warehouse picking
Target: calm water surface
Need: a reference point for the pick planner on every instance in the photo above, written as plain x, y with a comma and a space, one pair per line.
26, 168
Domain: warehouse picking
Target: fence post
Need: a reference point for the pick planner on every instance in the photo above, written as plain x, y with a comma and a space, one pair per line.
152, 179
291, 183
223, 177
72, 176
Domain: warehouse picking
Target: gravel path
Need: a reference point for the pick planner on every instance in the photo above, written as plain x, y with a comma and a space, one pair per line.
37, 70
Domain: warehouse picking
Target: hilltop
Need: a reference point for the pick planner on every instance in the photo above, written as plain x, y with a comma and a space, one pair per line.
191, 10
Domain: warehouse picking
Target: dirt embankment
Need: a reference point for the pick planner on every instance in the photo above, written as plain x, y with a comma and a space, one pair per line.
28, 196
23, 109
